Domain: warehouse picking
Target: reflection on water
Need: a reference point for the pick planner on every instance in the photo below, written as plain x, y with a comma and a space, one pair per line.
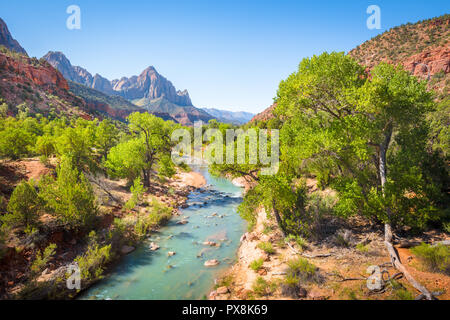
145, 274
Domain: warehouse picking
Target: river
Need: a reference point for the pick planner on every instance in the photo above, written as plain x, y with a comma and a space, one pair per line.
146, 274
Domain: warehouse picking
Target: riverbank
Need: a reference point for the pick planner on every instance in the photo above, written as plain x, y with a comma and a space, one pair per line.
340, 259
111, 196
182, 259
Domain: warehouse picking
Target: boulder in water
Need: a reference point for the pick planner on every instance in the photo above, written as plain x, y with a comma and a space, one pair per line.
182, 222
127, 249
212, 263
154, 246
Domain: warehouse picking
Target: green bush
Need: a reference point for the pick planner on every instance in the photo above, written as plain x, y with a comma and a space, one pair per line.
159, 214
301, 242
303, 270
137, 191
23, 206
42, 258
257, 264
266, 247
262, 287
91, 263
362, 248
70, 196
435, 258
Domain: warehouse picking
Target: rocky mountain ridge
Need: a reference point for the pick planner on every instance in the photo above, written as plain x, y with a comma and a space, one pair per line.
149, 84
8, 41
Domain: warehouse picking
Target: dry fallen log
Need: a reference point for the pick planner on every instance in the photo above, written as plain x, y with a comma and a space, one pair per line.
399, 266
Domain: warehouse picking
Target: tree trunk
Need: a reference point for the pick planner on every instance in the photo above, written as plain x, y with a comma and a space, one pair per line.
279, 220
146, 174
387, 226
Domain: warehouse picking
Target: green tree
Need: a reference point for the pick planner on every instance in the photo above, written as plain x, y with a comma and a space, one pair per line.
106, 136
138, 156
15, 140
23, 206
70, 196
76, 143
368, 132
126, 160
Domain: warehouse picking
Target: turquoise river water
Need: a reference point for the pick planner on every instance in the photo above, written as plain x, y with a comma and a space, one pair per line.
144, 274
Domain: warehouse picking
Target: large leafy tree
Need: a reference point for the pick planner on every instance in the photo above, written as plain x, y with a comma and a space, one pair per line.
106, 137
149, 144
365, 132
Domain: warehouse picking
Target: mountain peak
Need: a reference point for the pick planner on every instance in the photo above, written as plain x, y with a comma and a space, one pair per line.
7, 40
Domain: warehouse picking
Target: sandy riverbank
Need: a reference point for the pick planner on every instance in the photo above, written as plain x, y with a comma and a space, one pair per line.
335, 264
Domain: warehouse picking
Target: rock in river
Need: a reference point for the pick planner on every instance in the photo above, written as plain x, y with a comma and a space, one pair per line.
154, 246
127, 249
212, 263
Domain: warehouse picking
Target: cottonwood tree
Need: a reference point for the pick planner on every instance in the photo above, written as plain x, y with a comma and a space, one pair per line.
150, 142
367, 132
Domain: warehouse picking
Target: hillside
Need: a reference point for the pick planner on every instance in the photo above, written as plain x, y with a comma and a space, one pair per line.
423, 48
33, 86
186, 115
112, 106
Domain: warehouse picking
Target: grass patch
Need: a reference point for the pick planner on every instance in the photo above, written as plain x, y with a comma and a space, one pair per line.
362, 248
226, 281
257, 264
266, 247
303, 270
301, 242
267, 229
402, 294
434, 258
262, 287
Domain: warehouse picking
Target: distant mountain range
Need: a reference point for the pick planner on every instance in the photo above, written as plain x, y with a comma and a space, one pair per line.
149, 91
233, 117
41, 86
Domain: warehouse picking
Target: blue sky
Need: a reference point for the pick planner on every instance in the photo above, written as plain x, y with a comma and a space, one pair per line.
228, 54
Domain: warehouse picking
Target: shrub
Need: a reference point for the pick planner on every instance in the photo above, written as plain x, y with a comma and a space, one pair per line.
137, 191
257, 264
262, 287
303, 270
92, 261
402, 294
435, 258
266, 247
362, 248
301, 242
23, 206
42, 259
70, 197
267, 228
226, 281
159, 215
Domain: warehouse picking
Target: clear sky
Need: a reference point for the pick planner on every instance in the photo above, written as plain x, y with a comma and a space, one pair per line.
228, 54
